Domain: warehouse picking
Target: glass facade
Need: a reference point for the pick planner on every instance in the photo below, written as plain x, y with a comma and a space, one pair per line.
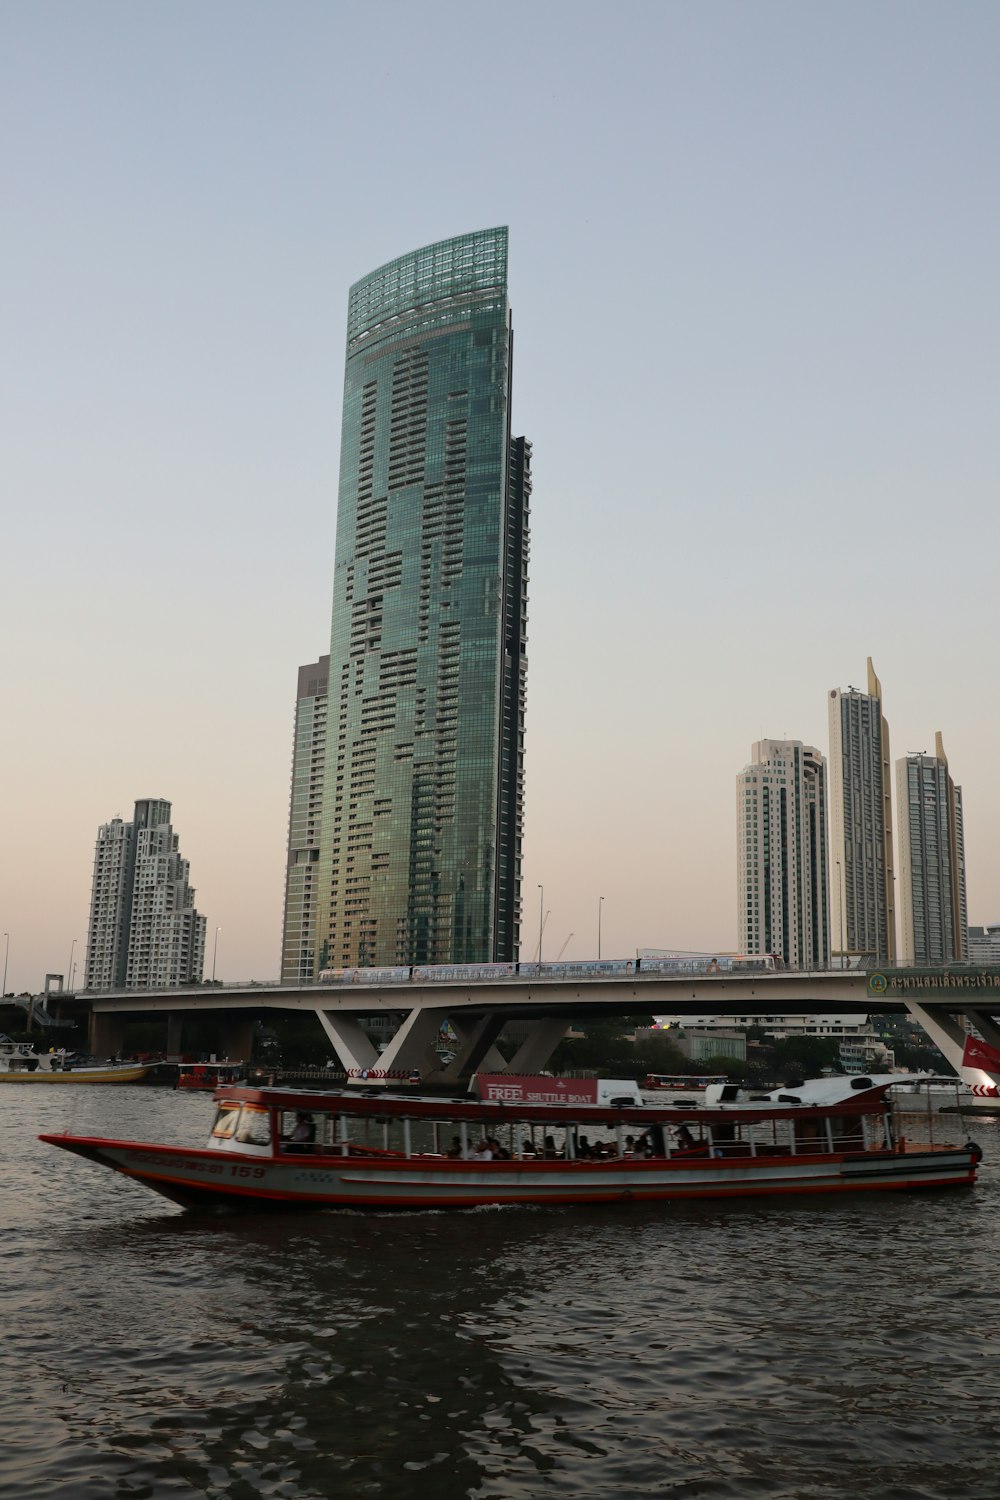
932, 862
298, 946
864, 915
420, 847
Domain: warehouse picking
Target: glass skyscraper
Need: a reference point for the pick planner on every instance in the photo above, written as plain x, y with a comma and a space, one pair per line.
420, 845
935, 914
305, 811
864, 902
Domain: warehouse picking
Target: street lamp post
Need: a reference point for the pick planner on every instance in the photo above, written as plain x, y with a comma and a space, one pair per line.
215, 951
541, 921
69, 966
6, 955
600, 905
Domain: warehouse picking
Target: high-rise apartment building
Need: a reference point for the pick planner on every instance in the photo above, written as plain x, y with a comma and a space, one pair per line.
420, 845
864, 914
110, 907
984, 945
144, 930
783, 902
298, 946
935, 917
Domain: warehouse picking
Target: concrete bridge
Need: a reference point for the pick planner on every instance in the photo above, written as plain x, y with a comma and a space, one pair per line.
945, 1002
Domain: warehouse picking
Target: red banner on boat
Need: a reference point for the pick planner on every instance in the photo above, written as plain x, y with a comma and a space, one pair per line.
506, 1088
979, 1054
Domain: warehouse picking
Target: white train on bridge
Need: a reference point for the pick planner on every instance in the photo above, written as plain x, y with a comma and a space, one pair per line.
612, 968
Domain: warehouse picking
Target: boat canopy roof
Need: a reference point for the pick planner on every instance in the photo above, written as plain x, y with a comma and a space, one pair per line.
854, 1096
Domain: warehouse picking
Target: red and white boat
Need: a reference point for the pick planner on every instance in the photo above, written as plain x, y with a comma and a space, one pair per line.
207, 1077
680, 1083
551, 1144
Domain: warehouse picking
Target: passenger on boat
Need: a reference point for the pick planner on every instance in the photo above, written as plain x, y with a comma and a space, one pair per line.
550, 1148
303, 1135
499, 1154
684, 1138
455, 1149
528, 1148
584, 1149
483, 1152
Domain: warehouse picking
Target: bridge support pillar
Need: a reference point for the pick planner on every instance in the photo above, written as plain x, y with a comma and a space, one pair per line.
948, 1034
236, 1037
476, 1051
412, 1048
175, 1033
105, 1034
353, 1046
539, 1045
986, 1026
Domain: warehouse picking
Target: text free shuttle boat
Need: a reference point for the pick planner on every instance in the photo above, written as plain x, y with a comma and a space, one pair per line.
382, 1151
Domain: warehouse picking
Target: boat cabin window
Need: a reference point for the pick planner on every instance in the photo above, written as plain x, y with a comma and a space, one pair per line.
255, 1126
306, 1131
247, 1123
226, 1120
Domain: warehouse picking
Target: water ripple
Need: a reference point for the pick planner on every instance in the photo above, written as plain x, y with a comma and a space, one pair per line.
795, 1351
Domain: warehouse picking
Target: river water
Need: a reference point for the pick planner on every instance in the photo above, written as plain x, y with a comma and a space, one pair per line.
786, 1350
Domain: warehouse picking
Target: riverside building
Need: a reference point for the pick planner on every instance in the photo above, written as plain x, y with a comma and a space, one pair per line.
419, 855
298, 947
984, 945
144, 930
783, 902
864, 916
935, 920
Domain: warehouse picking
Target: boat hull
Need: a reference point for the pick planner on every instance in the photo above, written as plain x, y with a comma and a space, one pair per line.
208, 1178
75, 1075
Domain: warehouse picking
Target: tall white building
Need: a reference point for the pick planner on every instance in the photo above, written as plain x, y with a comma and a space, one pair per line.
144, 929
107, 943
864, 913
783, 900
933, 906
984, 945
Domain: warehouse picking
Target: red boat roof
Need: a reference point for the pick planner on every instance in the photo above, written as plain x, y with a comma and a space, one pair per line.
372, 1105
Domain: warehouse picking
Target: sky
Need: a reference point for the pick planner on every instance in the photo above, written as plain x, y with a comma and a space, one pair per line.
753, 253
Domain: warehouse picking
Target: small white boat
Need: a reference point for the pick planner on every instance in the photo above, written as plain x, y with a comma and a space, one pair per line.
525, 1142
20, 1063
932, 1092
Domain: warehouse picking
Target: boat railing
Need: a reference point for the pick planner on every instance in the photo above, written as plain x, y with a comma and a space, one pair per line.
924, 1128
340, 1133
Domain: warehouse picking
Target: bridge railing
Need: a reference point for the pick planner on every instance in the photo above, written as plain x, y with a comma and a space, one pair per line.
653, 969
35, 1007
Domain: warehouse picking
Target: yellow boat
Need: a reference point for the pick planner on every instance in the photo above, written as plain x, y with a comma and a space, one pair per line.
19, 1063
